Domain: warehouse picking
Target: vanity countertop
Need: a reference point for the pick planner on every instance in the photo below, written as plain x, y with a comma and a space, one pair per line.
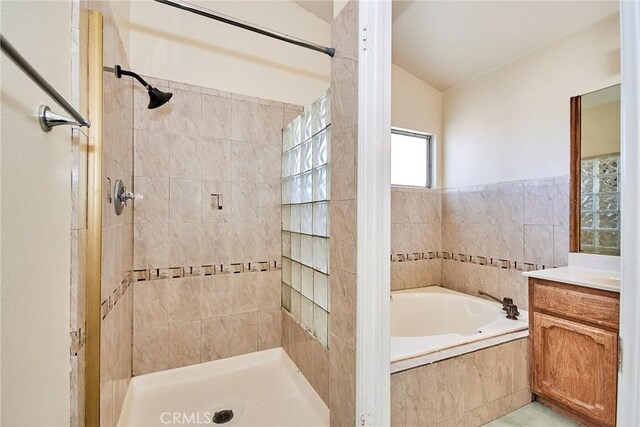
590, 278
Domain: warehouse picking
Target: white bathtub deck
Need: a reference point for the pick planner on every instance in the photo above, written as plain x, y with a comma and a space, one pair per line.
263, 389
434, 323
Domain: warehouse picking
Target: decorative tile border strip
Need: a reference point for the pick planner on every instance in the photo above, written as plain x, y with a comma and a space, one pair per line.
415, 256
110, 302
471, 259
204, 270
172, 273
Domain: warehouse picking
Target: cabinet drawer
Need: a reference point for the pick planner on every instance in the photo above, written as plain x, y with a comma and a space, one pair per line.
587, 306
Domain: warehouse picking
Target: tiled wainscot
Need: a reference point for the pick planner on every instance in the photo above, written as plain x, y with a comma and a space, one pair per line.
468, 390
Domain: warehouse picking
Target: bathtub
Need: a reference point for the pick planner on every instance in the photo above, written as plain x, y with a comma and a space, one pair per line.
434, 323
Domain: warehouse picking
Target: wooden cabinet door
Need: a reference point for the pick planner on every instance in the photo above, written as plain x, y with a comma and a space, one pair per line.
576, 365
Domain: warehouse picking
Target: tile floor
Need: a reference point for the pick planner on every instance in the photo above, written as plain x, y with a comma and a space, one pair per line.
533, 415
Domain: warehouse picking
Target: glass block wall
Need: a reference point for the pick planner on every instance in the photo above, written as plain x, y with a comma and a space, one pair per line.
305, 217
600, 205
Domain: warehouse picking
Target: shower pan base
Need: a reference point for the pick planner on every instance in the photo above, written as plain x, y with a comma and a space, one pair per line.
264, 388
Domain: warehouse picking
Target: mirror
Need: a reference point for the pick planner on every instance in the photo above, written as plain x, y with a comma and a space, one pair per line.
595, 172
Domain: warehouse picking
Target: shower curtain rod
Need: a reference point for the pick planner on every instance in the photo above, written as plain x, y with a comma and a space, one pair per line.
247, 26
47, 118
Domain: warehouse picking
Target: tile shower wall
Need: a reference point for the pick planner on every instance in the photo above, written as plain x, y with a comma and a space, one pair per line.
331, 371
344, 205
207, 232
305, 218
479, 237
469, 390
416, 230
117, 232
492, 232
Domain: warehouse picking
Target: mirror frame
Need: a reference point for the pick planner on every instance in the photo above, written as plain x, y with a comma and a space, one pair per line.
574, 174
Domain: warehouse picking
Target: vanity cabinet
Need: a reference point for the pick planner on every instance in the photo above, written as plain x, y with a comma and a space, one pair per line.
574, 333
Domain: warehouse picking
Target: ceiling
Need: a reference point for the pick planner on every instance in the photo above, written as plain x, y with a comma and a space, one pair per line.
323, 9
448, 42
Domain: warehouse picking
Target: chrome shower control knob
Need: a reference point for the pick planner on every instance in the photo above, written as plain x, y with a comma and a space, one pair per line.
121, 196
126, 196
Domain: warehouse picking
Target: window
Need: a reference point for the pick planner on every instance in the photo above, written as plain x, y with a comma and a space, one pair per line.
410, 158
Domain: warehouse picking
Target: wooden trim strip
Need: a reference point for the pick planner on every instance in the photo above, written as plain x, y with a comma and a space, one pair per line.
94, 219
574, 175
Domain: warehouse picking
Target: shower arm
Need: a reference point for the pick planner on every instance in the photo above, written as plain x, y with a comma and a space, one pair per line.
120, 72
157, 97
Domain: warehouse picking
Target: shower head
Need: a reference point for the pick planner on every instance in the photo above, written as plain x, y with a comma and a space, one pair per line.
157, 97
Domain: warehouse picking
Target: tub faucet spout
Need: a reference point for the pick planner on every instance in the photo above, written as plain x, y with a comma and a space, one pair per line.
501, 301
507, 305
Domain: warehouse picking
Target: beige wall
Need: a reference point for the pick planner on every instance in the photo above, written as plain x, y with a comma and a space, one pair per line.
172, 44
234, 60
513, 123
36, 218
415, 105
338, 5
120, 14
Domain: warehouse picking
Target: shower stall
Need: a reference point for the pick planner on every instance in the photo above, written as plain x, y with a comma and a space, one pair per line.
206, 263
208, 247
